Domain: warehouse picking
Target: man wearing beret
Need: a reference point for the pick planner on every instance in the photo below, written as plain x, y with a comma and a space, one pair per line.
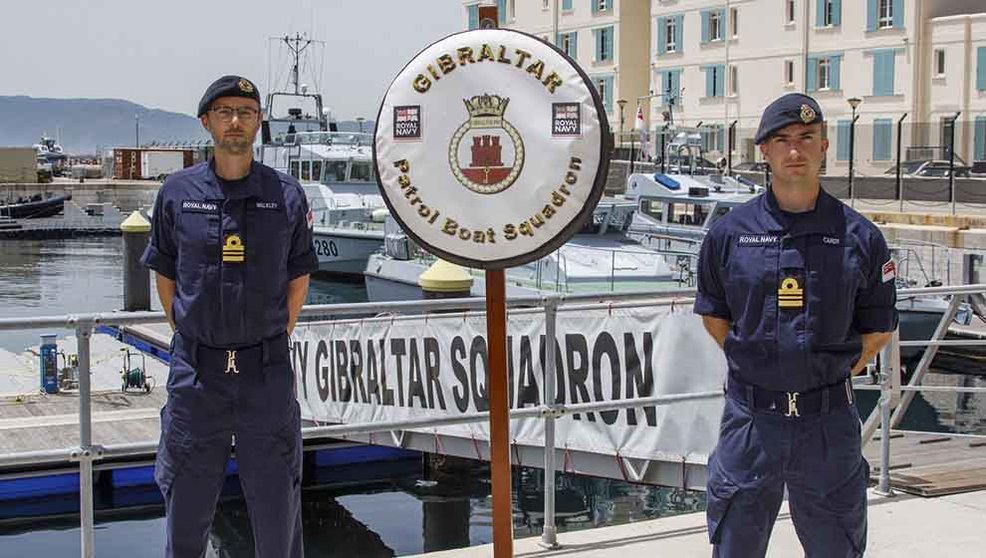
232, 251
798, 290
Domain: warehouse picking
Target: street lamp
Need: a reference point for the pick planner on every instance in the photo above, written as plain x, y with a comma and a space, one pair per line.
136, 130
854, 103
622, 103
360, 120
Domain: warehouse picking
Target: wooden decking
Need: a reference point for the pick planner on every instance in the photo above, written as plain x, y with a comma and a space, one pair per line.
929, 464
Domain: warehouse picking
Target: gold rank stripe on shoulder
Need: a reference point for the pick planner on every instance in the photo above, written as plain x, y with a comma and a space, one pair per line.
233, 249
790, 294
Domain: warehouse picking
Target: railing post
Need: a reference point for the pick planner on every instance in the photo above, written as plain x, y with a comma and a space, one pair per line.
83, 332
549, 534
889, 396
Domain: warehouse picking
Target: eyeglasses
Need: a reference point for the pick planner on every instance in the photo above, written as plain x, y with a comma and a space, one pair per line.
245, 114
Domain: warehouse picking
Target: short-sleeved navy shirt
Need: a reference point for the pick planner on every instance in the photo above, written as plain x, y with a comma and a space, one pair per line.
231, 247
798, 288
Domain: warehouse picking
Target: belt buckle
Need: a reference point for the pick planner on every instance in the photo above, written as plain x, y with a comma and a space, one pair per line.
792, 404
231, 363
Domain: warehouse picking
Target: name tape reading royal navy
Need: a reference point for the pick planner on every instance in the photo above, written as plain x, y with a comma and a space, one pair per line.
491, 147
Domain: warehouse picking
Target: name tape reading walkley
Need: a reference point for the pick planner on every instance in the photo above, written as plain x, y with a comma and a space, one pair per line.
383, 369
491, 147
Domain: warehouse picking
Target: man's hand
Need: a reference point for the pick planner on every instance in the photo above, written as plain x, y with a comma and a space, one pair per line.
872, 343
718, 328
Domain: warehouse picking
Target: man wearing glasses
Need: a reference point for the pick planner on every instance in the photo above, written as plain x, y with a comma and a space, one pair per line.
232, 251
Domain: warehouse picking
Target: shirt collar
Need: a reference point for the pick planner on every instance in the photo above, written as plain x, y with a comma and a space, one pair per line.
826, 216
248, 187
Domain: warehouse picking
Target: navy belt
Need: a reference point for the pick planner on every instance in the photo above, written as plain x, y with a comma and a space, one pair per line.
792, 403
231, 360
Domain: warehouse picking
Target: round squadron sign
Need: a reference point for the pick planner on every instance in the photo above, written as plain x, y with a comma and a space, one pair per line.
492, 148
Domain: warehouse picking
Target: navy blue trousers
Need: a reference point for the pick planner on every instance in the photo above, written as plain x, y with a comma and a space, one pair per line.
818, 458
206, 408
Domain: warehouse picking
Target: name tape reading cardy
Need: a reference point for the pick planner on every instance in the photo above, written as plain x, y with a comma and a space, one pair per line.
491, 148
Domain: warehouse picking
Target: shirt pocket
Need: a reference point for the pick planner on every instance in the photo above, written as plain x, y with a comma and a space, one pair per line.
834, 278
751, 291
268, 247
198, 246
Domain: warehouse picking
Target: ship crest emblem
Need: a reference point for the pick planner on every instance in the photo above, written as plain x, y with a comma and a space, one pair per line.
807, 114
486, 153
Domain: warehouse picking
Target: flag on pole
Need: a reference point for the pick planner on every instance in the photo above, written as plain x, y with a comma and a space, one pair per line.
641, 128
639, 124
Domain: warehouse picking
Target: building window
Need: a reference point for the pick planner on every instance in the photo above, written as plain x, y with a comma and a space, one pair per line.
883, 72
842, 140
512, 11
824, 74
566, 5
715, 26
569, 43
733, 22
789, 72
545, 4
604, 44
714, 77
605, 87
601, 5
733, 80
671, 28
882, 132
789, 12
886, 14
940, 62
828, 13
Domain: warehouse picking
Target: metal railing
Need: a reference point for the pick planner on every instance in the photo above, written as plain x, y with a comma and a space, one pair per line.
88, 454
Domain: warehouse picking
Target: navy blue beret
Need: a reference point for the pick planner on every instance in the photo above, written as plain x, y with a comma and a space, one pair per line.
228, 86
793, 108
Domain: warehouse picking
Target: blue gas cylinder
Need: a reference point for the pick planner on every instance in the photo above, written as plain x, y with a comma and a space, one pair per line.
49, 363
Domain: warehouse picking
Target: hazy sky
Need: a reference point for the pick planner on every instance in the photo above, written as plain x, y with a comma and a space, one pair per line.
164, 53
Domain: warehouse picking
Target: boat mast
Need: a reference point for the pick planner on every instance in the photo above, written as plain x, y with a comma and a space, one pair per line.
296, 47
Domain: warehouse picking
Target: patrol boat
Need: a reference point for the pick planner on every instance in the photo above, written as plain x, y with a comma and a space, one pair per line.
601, 257
298, 137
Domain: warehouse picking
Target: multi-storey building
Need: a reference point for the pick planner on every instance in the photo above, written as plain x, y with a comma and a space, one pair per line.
715, 62
608, 38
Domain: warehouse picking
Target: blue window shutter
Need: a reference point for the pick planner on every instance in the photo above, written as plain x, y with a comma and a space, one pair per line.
820, 13
501, 11
721, 138
573, 44
883, 72
979, 154
871, 15
473, 12
662, 36
981, 69
709, 82
898, 8
881, 139
667, 85
595, 5
836, 12
705, 26
566, 5
676, 84
835, 81
679, 30
607, 43
723, 24
558, 42
720, 80
842, 141
812, 83
597, 45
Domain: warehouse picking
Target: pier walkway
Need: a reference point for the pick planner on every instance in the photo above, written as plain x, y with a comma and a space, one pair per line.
944, 527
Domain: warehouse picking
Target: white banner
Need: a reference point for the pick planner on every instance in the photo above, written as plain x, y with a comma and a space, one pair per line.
386, 369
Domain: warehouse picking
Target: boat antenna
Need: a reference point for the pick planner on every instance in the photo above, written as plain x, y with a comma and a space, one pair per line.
296, 45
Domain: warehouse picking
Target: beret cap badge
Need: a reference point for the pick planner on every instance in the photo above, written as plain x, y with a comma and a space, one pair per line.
807, 114
247, 87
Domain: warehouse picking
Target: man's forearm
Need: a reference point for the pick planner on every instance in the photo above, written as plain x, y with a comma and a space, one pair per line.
297, 291
166, 294
872, 343
718, 328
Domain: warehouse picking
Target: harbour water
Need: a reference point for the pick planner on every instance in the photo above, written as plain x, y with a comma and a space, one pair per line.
390, 509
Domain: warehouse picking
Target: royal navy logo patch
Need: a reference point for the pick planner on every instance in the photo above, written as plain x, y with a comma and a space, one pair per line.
566, 120
198, 206
233, 249
790, 294
808, 114
407, 122
486, 153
